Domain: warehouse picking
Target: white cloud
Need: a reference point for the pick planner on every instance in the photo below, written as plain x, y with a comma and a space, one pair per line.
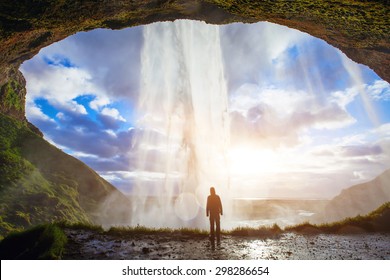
35, 114
379, 90
73, 106
277, 45
250, 51
111, 57
383, 130
60, 115
59, 85
282, 116
113, 113
99, 102
58, 82
373, 135
111, 133
344, 97
84, 155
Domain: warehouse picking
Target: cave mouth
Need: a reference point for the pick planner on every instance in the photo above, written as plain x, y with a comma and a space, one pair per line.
304, 120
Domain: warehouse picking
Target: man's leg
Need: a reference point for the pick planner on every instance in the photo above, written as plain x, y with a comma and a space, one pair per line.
212, 220
218, 224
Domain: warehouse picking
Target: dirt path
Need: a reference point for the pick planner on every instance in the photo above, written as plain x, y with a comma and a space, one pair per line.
85, 244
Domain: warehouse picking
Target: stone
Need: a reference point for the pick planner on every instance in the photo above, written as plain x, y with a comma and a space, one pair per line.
360, 29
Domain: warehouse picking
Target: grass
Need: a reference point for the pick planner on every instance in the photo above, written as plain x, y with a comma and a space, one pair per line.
48, 241
262, 231
28, 194
10, 96
142, 230
354, 19
240, 231
40, 242
343, 23
79, 226
376, 221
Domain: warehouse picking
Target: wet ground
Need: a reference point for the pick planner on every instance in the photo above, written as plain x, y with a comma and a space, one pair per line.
86, 244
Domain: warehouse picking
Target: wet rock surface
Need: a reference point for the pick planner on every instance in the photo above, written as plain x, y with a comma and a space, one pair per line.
86, 244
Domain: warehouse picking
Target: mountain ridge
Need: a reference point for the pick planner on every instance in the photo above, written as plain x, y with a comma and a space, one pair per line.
358, 199
43, 184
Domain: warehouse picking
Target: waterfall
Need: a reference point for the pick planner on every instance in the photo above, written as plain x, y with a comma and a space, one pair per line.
182, 149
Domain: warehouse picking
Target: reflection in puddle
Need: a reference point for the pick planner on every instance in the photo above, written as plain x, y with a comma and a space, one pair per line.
307, 247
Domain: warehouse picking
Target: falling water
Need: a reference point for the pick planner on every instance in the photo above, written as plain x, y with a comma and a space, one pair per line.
185, 125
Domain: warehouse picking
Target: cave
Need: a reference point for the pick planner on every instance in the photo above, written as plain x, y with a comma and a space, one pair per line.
359, 29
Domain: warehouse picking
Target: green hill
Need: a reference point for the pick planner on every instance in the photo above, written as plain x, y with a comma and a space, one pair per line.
375, 221
39, 183
359, 199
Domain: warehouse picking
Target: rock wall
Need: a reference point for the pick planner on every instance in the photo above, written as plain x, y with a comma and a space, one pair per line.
12, 93
361, 29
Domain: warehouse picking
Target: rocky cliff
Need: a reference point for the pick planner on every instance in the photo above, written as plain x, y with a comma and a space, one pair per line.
358, 28
360, 199
40, 183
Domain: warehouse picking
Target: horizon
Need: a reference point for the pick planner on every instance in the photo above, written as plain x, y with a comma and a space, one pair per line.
246, 198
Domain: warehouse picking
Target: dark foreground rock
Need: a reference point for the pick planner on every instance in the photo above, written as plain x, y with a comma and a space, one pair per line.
86, 244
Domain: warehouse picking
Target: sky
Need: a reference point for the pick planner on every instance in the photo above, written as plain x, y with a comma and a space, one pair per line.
305, 120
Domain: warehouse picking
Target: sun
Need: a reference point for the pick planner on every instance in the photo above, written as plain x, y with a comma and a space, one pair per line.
246, 160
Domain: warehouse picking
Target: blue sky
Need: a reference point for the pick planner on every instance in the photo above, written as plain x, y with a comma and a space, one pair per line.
305, 120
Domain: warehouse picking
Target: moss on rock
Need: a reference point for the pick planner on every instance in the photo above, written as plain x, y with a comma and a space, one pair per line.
39, 183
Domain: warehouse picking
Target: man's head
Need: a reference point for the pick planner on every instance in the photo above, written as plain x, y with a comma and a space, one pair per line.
212, 190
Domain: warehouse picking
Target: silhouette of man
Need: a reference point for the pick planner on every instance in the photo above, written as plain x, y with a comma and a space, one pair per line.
213, 210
